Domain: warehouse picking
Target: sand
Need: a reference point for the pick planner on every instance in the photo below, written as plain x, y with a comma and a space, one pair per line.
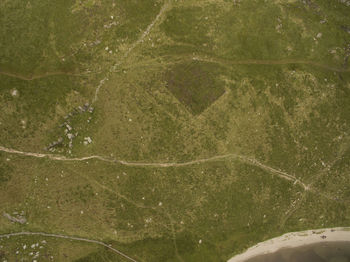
294, 239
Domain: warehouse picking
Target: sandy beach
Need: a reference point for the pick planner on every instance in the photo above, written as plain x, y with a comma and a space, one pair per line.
294, 239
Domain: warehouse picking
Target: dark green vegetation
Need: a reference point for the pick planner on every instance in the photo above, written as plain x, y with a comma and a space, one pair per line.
177, 81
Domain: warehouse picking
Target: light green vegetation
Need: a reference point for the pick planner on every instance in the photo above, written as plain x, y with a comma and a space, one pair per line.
250, 88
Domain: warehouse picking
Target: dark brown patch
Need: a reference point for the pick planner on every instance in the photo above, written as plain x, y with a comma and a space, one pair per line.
195, 84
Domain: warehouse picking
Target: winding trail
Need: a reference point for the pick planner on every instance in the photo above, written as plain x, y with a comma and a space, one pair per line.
70, 238
244, 159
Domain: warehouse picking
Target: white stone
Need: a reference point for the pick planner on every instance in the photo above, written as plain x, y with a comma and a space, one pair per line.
14, 92
88, 139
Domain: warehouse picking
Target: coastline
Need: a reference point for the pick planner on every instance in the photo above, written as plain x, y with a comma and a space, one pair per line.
293, 240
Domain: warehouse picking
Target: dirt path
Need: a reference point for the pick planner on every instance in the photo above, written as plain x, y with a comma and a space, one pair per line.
68, 237
148, 29
244, 159
34, 77
145, 33
268, 62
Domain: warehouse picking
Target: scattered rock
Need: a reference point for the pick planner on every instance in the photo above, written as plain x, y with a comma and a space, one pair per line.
55, 143
87, 140
14, 92
24, 124
18, 219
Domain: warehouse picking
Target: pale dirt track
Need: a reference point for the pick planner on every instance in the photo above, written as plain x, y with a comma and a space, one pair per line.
198, 58
269, 62
69, 238
35, 77
145, 33
244, 159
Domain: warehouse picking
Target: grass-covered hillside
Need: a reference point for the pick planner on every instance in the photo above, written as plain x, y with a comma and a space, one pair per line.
170, 130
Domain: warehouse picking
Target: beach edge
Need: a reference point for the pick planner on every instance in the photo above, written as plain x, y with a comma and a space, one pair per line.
293, 240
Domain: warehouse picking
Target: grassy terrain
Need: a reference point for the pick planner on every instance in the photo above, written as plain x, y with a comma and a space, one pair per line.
265, 84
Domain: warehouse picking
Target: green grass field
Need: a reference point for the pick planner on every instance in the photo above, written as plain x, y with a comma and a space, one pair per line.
207, 120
